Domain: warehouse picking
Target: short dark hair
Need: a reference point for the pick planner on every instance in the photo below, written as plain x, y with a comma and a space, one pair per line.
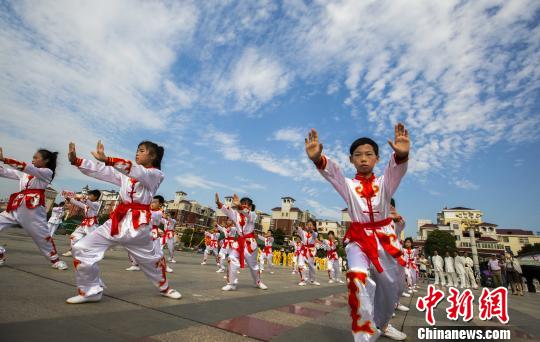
249, 202
156, 150
331, 232
312, 221
50, 157
393, 203
96, 193
364, 141
61, 204
159, 198
408, 239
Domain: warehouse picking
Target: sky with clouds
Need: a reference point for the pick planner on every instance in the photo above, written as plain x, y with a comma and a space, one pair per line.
230, 89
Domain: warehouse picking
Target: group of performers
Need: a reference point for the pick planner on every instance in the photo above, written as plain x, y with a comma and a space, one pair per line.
377, 263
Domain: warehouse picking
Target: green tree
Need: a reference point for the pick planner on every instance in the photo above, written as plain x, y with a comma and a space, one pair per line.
530, 248
279, 237
441, 241
194, 241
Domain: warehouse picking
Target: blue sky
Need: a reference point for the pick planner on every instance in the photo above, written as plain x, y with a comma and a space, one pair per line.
231, 88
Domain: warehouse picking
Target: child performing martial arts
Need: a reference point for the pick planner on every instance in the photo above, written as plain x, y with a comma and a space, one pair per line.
245, 248
411, 255
212, 246
334, 268
56, 218
371, 256
266, 253
307, 253
90, 206
130, 222
297, 247
229, 233
168, 235
27, 207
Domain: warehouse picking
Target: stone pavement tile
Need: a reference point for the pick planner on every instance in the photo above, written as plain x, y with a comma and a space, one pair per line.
298, 309
253, 327
314, 333
281, 317
200, 333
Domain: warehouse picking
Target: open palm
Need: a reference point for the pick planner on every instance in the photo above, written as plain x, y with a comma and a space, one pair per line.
313, 147
401, 144
99, 154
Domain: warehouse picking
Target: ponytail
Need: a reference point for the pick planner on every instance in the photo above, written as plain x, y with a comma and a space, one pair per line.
51, 158
156, 150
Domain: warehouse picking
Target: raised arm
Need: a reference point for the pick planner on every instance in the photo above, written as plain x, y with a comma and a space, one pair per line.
397, 164
229, 212
326, 167
42, 173
95, 170
77, 203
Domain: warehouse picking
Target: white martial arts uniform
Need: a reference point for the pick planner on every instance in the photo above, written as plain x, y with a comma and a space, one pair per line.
27, 207
266, 253
401, 271
411, 269
55, 220
307, 254
297, 246
212, 247
450, 271
168, 236
229, 234
370, 244
438, 268
245, 248
129, 226
334, 268
155, 221
459, 262
89, 222
469, 273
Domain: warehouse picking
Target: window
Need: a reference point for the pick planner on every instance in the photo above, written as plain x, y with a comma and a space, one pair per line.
508, 249
523, 240
505, 239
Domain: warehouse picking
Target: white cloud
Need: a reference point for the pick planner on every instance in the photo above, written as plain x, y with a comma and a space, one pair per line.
295, 136
466, 184
192, 181
255, 79
321, 210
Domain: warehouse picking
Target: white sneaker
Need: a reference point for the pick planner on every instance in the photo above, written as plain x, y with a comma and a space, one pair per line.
405, 294
203, 263
302, 283
340, 281
133, 268
409, 291
78, 299
60, 265
293, 272
224, 277
169, 270
172, 261
315, 283
262, 286
237, 272
402, 307
393, 314
271, 272
2, 261
172, 293
331, 281
229, 287
393, 333
220, 271
414, 290
67, 254
236, 281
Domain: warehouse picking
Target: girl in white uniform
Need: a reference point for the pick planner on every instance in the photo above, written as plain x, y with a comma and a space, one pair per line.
229, 233
56, 218
334, 268
27, 207
266, 253
90, 206
130, 222
245, 248
307, 253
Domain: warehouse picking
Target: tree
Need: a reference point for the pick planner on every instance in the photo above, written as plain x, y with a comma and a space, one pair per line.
441, 241
279, 237
530, 248
190, 241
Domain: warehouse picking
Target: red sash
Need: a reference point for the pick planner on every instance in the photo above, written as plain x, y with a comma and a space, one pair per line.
331, 255
121, 210
267, 250
227, 242
89, 221
241, 245
29, 195
306, 250
367, 242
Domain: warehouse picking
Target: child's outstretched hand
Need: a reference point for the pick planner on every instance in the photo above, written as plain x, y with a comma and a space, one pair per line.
72, 153
401, 144
218, 202
236, 200
99, 154
313, 147
1, 154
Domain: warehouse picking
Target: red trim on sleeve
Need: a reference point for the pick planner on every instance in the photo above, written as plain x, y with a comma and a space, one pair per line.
77, 162
15, 163
321, 165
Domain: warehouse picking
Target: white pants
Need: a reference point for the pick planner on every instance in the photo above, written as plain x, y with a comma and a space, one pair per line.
452, 279
52, 227
440, 277
310, 261
223, 253
81, 232
170, 247
411, 276
469, 275
269, 258
462, 280
372, 295
88, 251
334, 269
250, 259
211, 250
34, 222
